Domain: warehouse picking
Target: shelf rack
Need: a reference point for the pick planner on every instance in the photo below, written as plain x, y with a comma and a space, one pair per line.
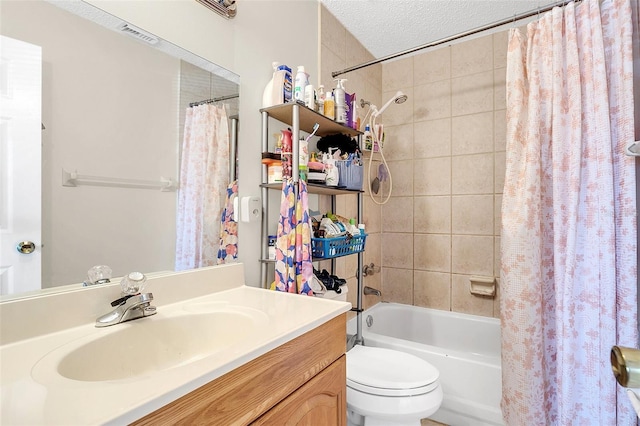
301, 118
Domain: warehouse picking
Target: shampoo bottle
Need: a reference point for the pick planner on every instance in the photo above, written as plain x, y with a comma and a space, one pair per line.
341, 102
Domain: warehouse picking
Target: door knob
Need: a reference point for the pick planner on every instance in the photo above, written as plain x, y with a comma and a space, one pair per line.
26, 247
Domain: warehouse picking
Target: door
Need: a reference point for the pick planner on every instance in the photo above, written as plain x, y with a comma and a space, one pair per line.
20, 165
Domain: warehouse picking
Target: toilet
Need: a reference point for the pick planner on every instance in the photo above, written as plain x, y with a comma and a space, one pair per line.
389, 387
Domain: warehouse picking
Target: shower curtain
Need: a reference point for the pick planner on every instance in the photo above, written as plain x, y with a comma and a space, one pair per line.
569, 237
204, 177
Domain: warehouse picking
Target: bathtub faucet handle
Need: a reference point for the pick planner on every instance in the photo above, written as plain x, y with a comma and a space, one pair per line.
370, 269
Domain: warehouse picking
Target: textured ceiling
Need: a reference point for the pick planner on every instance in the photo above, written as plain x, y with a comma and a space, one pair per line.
385, 27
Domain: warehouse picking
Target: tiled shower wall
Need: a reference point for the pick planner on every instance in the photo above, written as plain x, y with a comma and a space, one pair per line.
445, 147
446, 152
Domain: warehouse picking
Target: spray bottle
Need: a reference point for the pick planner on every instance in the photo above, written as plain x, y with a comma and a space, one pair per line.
341, 101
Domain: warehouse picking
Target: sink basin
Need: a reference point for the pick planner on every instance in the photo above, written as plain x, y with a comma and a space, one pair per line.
152, 344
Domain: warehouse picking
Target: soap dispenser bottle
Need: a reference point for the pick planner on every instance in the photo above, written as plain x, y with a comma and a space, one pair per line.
341, 101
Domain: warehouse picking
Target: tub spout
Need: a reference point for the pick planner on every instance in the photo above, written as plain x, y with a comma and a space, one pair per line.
370, 291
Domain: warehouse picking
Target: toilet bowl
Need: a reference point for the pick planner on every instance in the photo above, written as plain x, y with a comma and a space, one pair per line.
389, 387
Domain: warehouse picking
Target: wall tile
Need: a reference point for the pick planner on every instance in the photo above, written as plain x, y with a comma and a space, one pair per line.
432, 252
432, 290
397, 215
472, 174
402, 175
472, 214
432, 176
500, 88
497, 257
432, 101
374, 76
397, 285
472, 134
463, 301
329, 62
472, 254
432, 214
432, 138
500, 163
397, 74
500, 130
472, 56
399, 142
497, 214
356, 53
472, 94
332, 33
434, 65
373, 249
397, 250
500, 41
371, 213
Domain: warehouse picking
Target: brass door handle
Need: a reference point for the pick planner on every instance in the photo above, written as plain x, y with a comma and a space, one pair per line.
26, 247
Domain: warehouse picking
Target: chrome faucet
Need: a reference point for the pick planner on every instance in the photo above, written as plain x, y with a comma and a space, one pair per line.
128, 308
132, 305
370, 291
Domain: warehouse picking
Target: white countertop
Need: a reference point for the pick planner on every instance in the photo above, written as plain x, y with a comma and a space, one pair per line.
32, 394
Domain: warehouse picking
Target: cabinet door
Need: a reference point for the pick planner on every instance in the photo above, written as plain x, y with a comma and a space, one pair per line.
320, 401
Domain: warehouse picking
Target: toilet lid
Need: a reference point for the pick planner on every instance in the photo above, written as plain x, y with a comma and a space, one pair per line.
381, 371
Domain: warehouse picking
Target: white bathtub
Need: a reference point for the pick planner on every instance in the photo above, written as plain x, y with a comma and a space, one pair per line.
464, 348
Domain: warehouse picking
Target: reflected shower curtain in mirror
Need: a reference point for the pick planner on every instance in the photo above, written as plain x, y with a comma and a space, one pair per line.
204, 177
569, 238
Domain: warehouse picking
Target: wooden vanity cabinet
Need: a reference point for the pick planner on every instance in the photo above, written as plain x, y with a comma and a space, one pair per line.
302, 382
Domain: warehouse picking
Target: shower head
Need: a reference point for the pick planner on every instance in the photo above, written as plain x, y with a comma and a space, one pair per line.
398, 98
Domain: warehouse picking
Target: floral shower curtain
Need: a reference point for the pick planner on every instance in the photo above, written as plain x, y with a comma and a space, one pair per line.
569, 275
294, 269
204, 177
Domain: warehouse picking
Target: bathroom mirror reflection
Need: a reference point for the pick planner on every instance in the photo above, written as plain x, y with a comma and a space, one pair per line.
108, 105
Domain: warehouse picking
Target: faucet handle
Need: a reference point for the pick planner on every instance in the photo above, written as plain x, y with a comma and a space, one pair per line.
133, 283
99, 274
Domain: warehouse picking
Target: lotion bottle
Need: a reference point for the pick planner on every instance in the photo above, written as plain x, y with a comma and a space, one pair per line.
340, 101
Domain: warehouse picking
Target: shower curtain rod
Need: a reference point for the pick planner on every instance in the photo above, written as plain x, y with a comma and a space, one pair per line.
454, 37
210, 101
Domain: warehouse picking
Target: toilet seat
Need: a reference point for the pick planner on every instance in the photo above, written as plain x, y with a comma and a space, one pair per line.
387, 372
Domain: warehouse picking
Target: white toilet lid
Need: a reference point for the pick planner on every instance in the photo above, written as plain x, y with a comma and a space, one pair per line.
388, 372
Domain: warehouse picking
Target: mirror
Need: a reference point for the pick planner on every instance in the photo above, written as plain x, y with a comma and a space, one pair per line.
113, 105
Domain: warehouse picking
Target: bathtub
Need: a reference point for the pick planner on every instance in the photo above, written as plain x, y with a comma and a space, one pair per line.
464, 348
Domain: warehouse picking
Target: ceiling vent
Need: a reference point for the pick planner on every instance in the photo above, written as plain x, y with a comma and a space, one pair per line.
226, 8
138, 33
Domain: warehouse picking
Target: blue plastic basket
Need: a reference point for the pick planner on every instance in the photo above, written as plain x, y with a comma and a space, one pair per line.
328, 248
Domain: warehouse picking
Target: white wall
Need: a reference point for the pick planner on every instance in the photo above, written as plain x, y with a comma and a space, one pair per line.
263, 31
